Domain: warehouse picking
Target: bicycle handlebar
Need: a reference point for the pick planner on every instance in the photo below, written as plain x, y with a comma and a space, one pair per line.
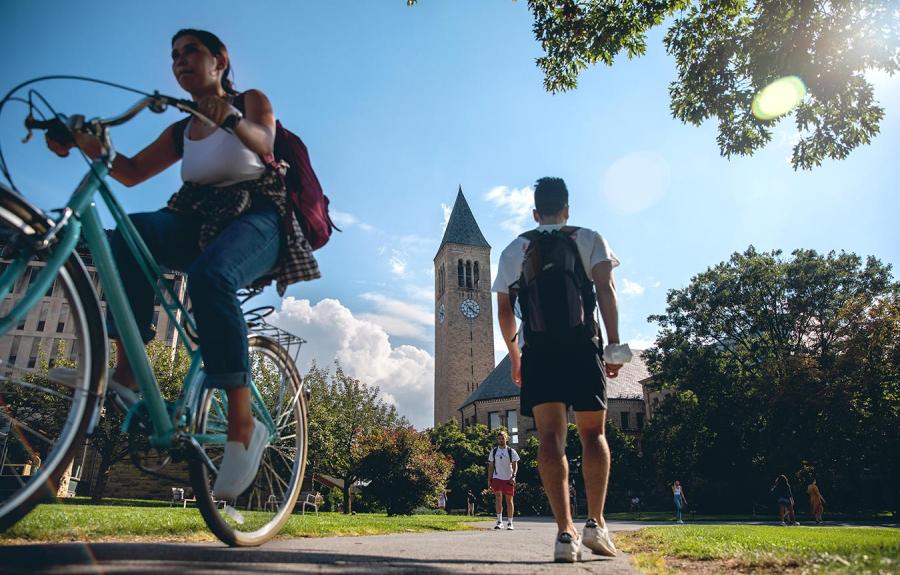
61, 130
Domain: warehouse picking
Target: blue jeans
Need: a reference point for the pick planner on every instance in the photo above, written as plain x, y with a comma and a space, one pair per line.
246, 249
678, 504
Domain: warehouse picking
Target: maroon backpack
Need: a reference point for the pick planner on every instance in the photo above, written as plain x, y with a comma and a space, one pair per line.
304, 190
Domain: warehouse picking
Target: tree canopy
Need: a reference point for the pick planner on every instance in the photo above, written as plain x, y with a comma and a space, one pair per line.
727, 51
781, 365
343, 413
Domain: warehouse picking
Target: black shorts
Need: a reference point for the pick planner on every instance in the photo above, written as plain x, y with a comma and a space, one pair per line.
570, 373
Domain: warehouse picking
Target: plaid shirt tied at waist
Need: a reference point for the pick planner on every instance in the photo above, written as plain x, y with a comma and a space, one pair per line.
218, 206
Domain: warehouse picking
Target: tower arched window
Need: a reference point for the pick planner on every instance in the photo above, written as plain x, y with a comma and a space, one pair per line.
475, 267
461, 274
469, 274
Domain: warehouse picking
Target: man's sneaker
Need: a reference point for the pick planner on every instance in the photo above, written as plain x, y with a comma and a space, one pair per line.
567, 548
124, 397
680, 522
240, 464
509, 526
597, 539
499, 525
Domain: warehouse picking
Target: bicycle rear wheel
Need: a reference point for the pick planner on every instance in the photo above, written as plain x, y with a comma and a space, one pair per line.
44, 421
268, 503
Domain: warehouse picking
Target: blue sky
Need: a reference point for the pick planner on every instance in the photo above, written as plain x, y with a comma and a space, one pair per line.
401, 106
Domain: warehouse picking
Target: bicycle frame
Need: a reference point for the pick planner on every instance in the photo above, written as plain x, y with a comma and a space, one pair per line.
86, 221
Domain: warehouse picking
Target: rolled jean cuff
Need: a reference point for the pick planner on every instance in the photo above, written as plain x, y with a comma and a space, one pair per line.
147, 333
233, 380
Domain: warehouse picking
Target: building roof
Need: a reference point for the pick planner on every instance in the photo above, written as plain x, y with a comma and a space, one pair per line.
627, 385
462, 227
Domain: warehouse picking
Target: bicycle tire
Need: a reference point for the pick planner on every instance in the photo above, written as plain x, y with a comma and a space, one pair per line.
270, 355
18, 216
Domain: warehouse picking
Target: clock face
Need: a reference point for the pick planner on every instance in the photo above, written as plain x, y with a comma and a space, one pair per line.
441, 314
470, 308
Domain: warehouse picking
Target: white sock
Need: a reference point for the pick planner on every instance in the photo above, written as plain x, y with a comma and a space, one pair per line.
499, 518
510, 520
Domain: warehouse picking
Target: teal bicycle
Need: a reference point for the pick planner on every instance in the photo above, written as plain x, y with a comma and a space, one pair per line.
52, 418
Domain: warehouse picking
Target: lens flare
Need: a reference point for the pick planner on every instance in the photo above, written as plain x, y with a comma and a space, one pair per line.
778, 98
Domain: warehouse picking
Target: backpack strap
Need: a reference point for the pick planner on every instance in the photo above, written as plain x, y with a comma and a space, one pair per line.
179, 127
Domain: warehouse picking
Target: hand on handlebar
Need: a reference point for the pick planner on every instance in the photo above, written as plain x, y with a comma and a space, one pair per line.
215, 108
88, 143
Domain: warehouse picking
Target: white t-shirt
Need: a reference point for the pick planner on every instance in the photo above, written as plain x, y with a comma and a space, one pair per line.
592, 248
503, 464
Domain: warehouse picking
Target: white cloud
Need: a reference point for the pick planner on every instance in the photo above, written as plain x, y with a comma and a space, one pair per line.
447, 210
345, 220
414, 318
517, 202
398, 263
405, 373
631, 288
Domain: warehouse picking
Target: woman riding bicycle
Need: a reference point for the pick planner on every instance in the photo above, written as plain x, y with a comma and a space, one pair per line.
229, 226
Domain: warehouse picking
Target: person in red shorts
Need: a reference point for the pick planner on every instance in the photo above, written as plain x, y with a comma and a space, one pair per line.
503, 461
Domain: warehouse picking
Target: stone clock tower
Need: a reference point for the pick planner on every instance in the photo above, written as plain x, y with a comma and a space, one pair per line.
464, 335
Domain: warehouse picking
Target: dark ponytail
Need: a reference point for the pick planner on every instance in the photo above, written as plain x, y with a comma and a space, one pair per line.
215, 47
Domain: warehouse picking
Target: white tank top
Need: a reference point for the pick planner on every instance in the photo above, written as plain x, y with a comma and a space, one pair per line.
220, 159
678, 490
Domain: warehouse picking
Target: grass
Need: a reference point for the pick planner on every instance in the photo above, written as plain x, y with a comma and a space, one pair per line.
67, 522
763, 549
670, 516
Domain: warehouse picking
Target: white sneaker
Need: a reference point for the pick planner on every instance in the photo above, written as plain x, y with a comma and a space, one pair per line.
499, 525
240, 464
125, 397
509, 526
567, 548
680, 522
597, 539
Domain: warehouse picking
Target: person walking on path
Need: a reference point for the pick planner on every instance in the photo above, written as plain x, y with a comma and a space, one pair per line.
816, 501
470, 503
680, 500
781, 490
503, 462
229, 225
548, 274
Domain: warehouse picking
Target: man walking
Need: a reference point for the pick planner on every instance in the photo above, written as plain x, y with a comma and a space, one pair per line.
549, 275
503, 462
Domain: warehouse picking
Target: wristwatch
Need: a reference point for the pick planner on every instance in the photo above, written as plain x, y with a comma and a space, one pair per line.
233, 119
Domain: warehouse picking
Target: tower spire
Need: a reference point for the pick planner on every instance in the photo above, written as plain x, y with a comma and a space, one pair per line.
462, 227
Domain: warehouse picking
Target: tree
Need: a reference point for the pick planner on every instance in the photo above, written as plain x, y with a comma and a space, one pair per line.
726, 52
403, 469
468, 450
170, 368
779, 366
343, 412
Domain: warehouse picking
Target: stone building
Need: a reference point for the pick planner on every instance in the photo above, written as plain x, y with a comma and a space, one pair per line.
468, 388
47, 330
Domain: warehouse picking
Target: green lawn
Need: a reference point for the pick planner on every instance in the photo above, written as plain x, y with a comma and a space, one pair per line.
763, 549
67, 522
670, 516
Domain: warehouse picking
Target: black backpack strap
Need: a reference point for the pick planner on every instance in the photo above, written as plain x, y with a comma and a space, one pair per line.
181, 125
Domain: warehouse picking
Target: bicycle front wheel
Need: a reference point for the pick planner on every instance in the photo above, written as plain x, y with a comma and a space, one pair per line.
43, 421
261, 511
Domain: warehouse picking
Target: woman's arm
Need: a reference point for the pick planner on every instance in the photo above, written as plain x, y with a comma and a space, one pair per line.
256, 129
129, 171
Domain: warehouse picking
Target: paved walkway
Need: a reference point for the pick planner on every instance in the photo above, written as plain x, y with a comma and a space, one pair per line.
526, 550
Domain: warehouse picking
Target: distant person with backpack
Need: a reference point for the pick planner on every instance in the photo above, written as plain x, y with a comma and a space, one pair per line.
236, 221
503, 462
548, 276
470, 503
